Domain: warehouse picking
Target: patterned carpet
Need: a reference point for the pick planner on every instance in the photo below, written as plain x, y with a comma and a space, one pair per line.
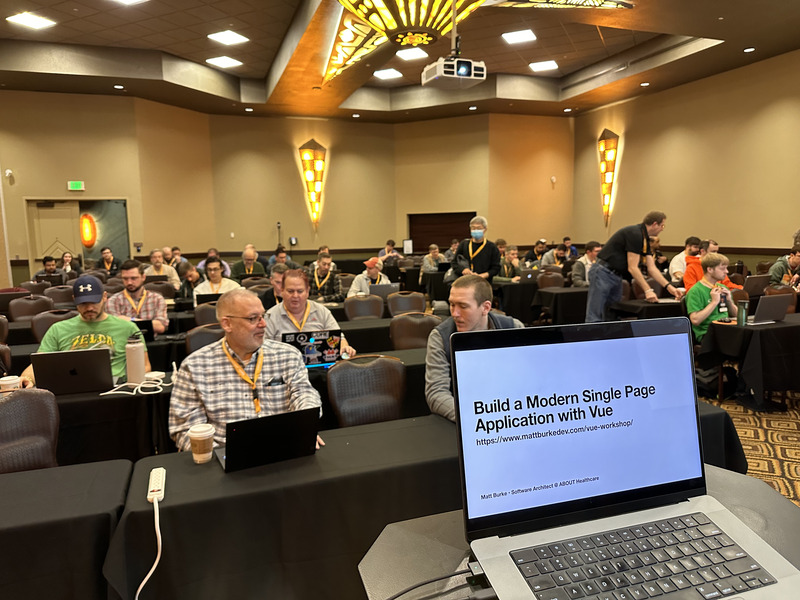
771, 442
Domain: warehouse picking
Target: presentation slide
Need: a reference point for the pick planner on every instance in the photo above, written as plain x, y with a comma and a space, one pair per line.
549, 424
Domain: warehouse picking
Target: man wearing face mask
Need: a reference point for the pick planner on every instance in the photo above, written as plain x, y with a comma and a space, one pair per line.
677, 266
477, 255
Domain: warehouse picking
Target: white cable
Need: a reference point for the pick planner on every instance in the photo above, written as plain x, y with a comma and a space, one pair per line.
158, 555
148, 386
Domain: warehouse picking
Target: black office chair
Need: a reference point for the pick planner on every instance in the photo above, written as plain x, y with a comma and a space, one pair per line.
29, 422
367, 389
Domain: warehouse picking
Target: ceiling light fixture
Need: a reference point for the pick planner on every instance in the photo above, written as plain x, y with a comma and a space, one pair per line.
130, 2
224, 62
249, 109
388, 74
356, 115
30, 20
473, 108
645, 84
749, 50
567, 110
519, 37
119, 87
412, 54
545, 65
228, 37
567, 3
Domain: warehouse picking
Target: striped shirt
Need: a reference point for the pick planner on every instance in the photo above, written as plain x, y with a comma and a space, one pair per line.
208, 389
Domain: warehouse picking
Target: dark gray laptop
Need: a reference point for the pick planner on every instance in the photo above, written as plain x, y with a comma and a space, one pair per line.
204, 298
770, 309
320, 349
256, 442
589, 482
73, 371
384, 289
528, 275
754, 285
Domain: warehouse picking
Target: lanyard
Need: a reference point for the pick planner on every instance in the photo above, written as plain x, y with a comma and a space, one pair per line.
250, 270
240, 371
213, 289
474, 254
108, 264
305, 317
160, 270
645, 245
316, 279
137, 308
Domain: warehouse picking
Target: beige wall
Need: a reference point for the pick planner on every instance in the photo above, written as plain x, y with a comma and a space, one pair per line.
720, 156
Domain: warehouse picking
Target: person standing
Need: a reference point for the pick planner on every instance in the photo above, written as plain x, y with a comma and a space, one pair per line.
477, 255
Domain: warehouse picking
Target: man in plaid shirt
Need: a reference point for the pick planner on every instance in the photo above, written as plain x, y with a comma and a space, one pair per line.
243, 376
135, 303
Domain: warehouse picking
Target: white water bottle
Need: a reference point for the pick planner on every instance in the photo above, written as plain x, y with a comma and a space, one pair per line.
134, 359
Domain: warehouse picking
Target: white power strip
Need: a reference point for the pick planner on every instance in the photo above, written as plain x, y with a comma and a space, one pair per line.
155, 489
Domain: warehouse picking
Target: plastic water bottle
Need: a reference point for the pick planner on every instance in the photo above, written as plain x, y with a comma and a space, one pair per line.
134, 359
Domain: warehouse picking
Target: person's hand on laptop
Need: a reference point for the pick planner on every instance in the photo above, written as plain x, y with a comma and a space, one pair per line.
348, 349
319, 442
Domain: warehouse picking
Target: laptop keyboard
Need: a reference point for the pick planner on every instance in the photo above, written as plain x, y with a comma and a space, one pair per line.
685, 557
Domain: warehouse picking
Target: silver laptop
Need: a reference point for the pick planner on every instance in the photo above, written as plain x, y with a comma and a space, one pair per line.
771, 309
384, 289
73, 371
754, 285
588, 481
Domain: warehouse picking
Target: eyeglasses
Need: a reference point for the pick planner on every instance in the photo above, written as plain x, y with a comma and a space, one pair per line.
252, 319
213, 270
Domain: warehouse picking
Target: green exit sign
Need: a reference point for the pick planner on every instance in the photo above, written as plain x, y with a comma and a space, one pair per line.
76, 186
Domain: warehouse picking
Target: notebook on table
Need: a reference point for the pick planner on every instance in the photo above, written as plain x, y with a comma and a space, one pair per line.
587, 480
319, 348
73, 371
256, 442
770, 309
384, 289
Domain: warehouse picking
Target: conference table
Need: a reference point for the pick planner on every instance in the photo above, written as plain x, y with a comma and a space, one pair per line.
55, 528
642, 309
768, 354
516, 300
424, 548
565, 305
295, 529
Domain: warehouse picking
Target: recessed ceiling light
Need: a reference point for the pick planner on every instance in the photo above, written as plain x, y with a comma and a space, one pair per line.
130, 2
473, 108
749, 50
517, 37
223, 62
248, 109
567, 110
546, 65
645, 84
119, 87
388, 74
30, 20
228, 37
356, 115
412, 54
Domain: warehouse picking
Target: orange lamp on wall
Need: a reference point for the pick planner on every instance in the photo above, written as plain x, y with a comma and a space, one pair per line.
312, 159
88, 230
608, 147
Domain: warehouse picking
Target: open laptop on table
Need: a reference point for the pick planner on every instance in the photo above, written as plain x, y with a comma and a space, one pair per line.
770, 309
73, 371
153, 278
319, 348
146, 327
203, 298
754, 285
51, 279
384, 289
528, 275
255, 442
588, 481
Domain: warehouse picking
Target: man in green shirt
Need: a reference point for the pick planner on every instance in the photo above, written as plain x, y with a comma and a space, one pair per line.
709, 300
92, 328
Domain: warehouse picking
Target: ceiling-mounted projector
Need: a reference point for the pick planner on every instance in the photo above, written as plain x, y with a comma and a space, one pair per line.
454, 73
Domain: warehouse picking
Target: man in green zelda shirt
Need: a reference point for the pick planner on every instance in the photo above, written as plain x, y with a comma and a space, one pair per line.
92, 328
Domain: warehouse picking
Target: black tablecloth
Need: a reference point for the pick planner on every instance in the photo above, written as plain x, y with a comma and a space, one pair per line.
566, 305
433, 285
55, 527
768, 355
295, 529
721, 444
642, 309
516, 300
410, 279
367, 335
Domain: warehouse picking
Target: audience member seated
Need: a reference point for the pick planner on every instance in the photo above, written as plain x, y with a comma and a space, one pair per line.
325, 285
226, 269
92, 328
371, 276
281, 258
501, 247
510, 268
470, 310
709, 300
450, 253
274, 296
247, 266
68, 264
556, 256
176, 257
572, 251
243, 377
262, 260
431, 261
389, 253
694, 272
477, 255
785, 270
322, 249
661, 261
135, 303
298, 313
677, 266
107, 262
534, 257
158, 268
216, 283
190, 279
580, 270
49, 264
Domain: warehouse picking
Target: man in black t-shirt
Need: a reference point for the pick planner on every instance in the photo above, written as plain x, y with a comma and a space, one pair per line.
620, 259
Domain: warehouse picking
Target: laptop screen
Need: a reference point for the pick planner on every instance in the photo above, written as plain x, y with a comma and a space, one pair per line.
559, 421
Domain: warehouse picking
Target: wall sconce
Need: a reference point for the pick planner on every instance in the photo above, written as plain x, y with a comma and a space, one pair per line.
608, 146
312, 159
88, 230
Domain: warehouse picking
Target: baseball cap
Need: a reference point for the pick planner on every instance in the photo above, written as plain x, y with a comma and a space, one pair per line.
372, 262
87, 288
